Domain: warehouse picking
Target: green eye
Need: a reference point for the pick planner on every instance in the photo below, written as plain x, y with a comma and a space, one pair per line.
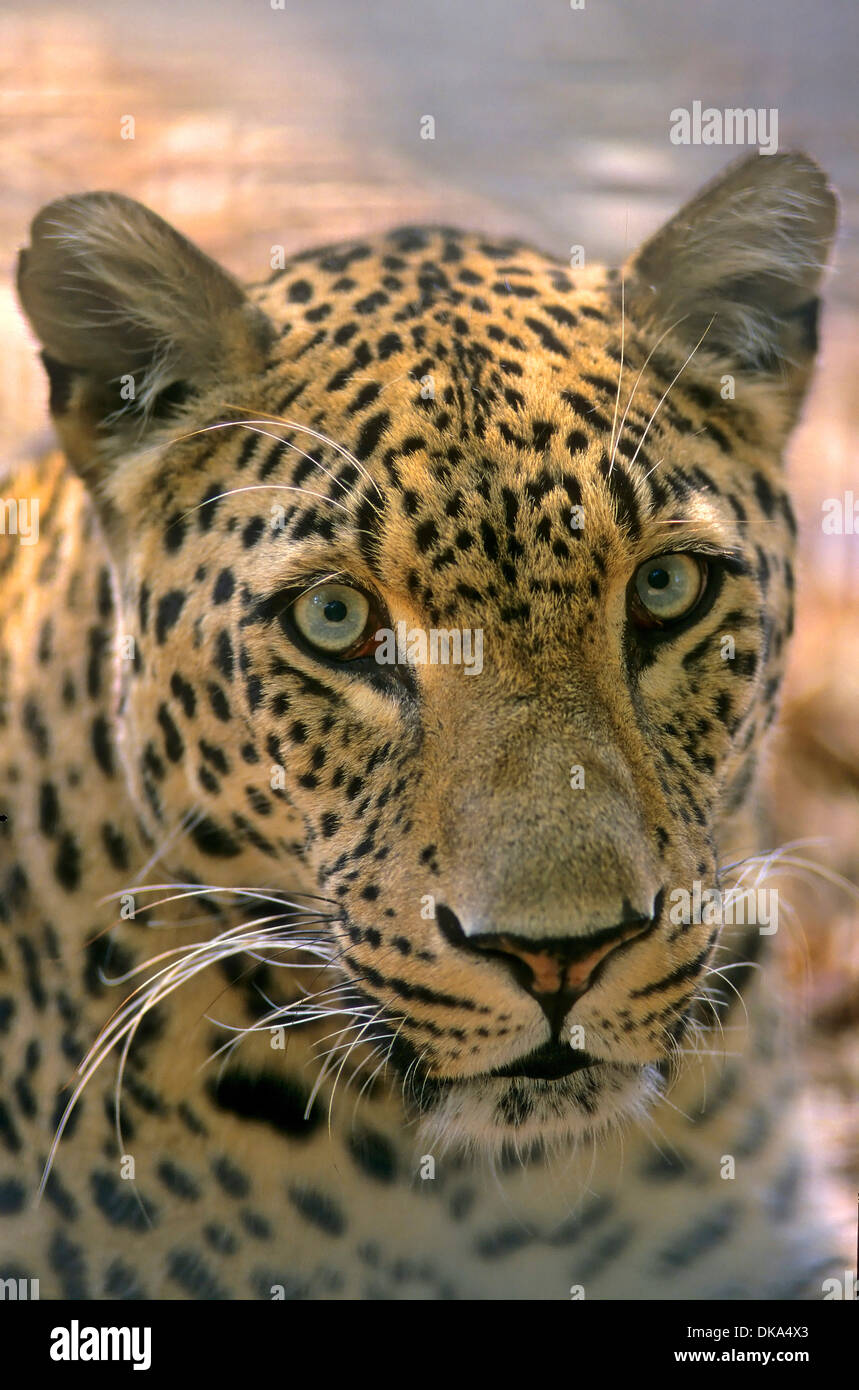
332, 617
668, 587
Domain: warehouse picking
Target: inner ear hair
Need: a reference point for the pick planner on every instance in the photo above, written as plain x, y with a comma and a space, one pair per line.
740, 265
134, 320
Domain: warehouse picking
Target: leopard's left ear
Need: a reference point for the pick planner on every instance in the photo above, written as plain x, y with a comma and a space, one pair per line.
133, 319
741, 265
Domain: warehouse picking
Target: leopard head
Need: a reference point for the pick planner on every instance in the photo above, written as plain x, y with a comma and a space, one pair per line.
455, 586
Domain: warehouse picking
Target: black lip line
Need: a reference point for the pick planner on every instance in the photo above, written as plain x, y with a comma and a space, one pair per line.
551, 1062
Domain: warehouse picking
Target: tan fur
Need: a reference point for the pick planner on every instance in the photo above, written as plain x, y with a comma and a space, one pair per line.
229, 757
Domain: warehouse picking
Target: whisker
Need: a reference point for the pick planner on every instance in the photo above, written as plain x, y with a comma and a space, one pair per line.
268, 487
671, 383
316, 434
123, 1024
663, 335
185, 823
620, 372
191, 890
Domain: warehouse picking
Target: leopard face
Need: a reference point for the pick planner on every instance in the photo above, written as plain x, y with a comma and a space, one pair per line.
431, 444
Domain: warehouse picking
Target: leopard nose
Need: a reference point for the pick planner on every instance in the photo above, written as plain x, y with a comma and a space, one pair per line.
555, 971
559, 966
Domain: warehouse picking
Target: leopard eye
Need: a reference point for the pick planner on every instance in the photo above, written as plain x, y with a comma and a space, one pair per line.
667, 588
333, 618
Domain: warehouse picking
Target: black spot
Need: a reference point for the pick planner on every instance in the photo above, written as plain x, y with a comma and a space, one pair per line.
252, 532
34, 725
665, 1167
232, 1179
268, 1098
173, 745
67, 1260
49, 809
219, 703
174, 533
699, 1238
184, 693
169, 609
582, 406
13, 1196
764, 493
209, 504
98, 644
121, 1282
60, 1197
371, 432
177, 1181
321, 1211
191, 1273
115, 844
46, 641
220, 1239
211, 838
102, 746
388, 344
539, 488
224, 659
577, 442
490, 540
119, 1202
426, 535
67, 865
215, 756
622, 490
253, 691
364, 397
300, 291
502, 1242
548, 339
374, 1155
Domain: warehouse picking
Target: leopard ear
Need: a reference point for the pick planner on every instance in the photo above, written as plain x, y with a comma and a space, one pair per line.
740, 266
132, 318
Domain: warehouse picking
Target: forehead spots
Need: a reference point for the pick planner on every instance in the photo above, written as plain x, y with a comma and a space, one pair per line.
466, 457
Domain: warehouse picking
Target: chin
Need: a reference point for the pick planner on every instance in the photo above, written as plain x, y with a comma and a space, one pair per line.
529, 1117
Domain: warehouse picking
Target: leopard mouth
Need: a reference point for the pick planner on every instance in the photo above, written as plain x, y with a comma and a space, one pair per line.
550, 1062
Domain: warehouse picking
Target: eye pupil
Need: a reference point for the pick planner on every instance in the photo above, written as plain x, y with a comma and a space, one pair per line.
668, 587
335, 610
332, 617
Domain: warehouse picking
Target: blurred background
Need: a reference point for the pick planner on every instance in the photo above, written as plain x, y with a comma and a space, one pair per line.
256, 126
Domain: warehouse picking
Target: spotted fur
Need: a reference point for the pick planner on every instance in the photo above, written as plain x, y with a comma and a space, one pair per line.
333, 857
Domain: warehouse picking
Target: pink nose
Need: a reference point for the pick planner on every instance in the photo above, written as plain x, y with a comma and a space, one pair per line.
564, 966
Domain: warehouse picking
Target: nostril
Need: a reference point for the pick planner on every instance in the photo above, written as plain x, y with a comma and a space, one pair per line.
452, 930
450, 927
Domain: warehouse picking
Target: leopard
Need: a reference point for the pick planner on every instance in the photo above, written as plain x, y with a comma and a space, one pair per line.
388, 645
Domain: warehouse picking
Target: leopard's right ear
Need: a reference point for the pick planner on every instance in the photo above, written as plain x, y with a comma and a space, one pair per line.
134, 321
